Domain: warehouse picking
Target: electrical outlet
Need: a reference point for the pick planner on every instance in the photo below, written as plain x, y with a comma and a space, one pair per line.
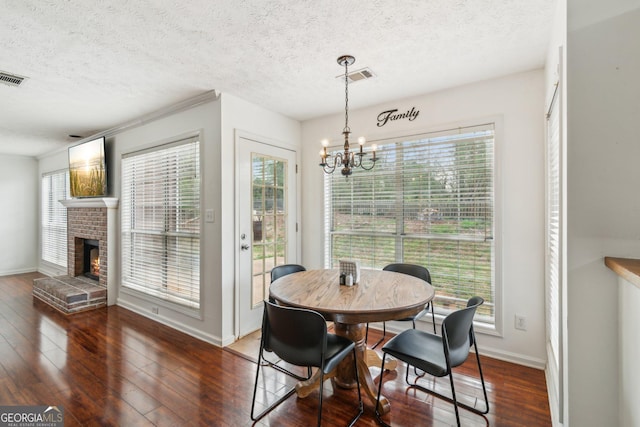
154, 310
521, 322
209, 215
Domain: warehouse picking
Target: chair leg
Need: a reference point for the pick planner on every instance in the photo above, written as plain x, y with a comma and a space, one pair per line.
378, 415
433, 318
255, 389
415, 370
384, 333
435, 393
406, 374
484, 388
453, 393
255, 386
360, 405
453, 398
320, 398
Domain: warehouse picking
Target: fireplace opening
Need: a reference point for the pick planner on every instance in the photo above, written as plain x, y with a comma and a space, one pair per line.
91, 264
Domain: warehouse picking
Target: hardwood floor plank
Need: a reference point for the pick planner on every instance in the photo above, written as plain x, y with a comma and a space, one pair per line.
162, 416
113, 367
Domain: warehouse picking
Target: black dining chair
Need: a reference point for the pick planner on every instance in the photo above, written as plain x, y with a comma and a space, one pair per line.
437, 355
416, 271
285, 269
299, 336
276, 273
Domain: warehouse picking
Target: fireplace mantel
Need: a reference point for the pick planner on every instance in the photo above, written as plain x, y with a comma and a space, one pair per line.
91, 202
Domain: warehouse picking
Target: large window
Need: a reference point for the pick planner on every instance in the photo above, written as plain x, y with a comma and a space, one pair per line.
55, 187
161, 222
429, 201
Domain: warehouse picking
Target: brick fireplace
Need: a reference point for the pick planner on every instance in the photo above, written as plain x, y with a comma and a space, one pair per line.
86, 223
91, 226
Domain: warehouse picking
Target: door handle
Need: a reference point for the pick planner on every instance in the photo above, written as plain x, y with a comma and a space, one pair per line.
244, 247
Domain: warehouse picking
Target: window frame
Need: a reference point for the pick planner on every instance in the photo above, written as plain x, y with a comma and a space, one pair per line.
174, 305
496, 327
553, 227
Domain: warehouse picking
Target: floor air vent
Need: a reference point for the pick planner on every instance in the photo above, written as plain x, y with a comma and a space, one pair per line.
11, 79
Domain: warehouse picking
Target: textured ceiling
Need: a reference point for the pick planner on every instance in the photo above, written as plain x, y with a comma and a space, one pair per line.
94, 64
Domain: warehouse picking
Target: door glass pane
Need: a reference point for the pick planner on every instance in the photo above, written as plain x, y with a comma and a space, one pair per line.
280, 225
269, 216
280, 200
280, 173
269, 171
269, 257
268, 227
268, 199
280, 254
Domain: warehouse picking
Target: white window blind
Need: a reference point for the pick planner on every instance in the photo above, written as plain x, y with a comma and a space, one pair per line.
55, 187
553, 227
161, 222
429, 201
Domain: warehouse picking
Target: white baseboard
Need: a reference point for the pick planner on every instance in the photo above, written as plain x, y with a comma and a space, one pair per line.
173, 324
18, 271
519, 359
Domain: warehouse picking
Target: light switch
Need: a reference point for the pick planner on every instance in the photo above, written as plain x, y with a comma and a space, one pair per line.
209, 216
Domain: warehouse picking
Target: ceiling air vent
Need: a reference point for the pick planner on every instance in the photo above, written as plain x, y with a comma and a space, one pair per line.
355, 76
11, 79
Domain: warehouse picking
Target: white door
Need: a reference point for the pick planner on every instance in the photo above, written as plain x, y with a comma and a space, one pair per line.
266, 192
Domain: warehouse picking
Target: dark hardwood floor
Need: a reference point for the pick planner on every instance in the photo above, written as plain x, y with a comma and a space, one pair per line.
113, 367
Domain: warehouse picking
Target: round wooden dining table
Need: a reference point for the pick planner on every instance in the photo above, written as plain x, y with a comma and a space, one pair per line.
379, 296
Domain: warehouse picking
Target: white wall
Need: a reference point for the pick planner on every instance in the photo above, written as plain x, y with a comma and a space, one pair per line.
19, 193
240, 115
205, 119
519, 101
603, 66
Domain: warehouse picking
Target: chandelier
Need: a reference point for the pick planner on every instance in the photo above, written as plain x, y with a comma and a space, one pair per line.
347, 159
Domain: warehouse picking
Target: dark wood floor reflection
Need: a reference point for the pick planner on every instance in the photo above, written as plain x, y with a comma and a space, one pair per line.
113, 367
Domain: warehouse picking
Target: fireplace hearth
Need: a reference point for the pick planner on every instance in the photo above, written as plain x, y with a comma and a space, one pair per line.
88, 283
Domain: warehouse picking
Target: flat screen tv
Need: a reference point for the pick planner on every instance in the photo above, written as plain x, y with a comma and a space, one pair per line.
88, 169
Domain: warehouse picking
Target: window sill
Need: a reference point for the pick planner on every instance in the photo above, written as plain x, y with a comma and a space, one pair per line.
196, 313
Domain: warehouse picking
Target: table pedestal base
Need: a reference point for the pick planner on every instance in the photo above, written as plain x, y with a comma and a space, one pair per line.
344, 376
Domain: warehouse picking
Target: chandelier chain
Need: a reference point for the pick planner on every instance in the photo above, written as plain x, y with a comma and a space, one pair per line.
346, 97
